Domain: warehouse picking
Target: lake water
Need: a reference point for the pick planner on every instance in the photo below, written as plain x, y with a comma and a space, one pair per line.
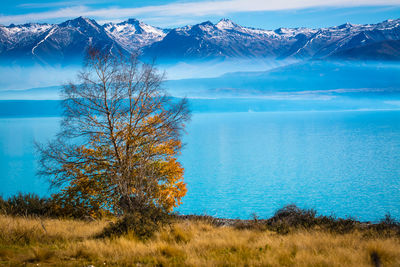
345, 163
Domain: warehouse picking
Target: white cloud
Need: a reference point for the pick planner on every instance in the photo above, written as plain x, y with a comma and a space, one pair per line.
57, 4
190, 9
40, 16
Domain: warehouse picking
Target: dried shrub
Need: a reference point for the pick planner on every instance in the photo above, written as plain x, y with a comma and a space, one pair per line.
292, 217
141, 223
27, 205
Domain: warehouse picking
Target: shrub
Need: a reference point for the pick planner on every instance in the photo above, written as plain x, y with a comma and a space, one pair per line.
387, 226
291, 218
26, 205
35, 206
141, 223
3, 206
77, 208
389, 220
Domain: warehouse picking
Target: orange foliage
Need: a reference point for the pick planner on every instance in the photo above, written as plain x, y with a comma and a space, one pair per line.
90, 189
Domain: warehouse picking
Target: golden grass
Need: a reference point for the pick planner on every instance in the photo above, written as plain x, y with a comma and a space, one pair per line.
49, 242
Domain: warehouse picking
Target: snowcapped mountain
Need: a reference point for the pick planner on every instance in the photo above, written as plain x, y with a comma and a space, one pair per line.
334, 41
59, 43
67, 41
12, 37
224, 39
133, 34
227, 39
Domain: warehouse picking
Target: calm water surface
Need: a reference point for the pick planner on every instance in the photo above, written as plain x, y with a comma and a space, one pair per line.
236, 164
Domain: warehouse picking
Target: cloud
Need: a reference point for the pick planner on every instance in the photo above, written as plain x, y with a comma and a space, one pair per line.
190, 9
41, 16
56, 4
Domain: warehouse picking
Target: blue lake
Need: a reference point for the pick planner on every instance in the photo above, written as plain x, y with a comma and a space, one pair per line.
345, 163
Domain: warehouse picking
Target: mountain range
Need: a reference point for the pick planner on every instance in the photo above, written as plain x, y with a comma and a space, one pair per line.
66, 42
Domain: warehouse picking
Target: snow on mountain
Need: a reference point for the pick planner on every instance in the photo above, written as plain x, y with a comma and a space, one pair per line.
11, 35
227, 39
327, 42
133, 34
58, 43
20, 31
61, 43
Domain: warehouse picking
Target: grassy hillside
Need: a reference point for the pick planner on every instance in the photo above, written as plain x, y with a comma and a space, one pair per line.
189, 242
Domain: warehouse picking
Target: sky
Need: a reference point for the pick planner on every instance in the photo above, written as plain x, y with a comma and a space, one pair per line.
266, 14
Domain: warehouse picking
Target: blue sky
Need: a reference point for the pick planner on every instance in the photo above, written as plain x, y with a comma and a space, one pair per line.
267, 14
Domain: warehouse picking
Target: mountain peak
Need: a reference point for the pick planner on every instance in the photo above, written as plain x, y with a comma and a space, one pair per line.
81, 19
206, 23
346, 25
133, 21
133, 34
79, 22
393, 22
133, 26
281, 30
200, 28
226, 24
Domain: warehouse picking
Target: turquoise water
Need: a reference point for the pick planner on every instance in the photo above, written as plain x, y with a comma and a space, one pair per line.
343, 163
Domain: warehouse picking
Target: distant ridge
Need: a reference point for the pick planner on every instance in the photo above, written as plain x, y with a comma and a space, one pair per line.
66, 42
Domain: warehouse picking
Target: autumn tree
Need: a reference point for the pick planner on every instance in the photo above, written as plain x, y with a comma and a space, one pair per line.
119, 140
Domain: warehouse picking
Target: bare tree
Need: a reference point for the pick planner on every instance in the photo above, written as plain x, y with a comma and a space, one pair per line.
119, 140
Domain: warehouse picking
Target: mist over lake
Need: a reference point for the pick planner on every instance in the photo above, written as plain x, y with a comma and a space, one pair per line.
317, 134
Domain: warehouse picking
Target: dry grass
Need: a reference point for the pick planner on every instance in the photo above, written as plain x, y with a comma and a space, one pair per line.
47, 242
